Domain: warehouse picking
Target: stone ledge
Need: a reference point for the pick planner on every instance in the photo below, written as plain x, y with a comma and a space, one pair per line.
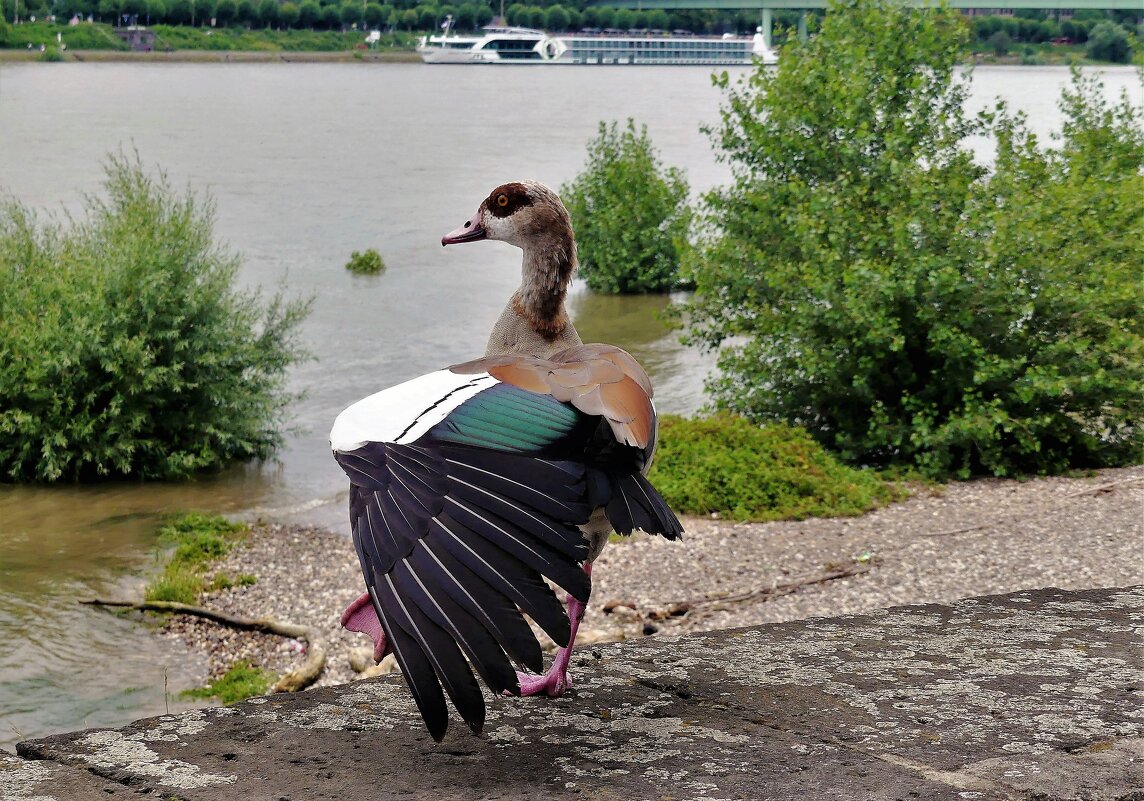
1032, 695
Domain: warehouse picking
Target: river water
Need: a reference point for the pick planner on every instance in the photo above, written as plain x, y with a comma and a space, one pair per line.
306, 163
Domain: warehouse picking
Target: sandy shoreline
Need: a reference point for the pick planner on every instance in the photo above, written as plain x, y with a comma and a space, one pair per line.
970, 538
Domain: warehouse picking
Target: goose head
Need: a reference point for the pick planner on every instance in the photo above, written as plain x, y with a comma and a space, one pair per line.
530, 216
523, 213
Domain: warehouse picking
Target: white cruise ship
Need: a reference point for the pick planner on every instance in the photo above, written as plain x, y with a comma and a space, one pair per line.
511, 45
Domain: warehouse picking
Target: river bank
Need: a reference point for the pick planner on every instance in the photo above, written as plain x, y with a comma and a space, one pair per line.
1044, 57
968, 538
224, 56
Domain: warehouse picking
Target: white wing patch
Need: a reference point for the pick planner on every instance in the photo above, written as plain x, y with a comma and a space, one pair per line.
403, 413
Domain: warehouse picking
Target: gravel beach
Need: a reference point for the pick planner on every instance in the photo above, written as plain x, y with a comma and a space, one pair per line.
964, 539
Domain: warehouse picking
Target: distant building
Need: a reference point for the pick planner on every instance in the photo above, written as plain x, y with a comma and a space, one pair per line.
137, 38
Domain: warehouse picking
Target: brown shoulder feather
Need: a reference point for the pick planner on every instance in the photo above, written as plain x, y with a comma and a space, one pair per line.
597, 379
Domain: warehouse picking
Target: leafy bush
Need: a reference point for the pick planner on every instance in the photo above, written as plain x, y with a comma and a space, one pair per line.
866, 280
630, 214
126, 348
1000, 43
729, 465
369, 263
1108, 41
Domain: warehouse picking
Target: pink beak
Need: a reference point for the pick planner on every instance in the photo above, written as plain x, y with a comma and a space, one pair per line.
471, 231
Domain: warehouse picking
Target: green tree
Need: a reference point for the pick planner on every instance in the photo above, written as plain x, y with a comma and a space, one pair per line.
630, 214
331, 18
1000, 43
127, 348
466, 17
109, 11
268, 12
658, 19
556, 19
375, 15
288, 15
409, 19
246, 13
1107, 41
427, 17
180, 12
156, 10
868, 281
351, 13
225, 13
309, 14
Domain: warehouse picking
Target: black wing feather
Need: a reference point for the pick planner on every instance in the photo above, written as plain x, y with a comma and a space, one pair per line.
416, 668
497, 613
440, 650
457, 532
423, 587
508, 575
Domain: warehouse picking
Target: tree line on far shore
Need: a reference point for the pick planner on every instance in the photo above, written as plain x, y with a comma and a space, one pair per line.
1113, 31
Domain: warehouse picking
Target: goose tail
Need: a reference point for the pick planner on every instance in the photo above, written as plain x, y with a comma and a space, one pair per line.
631, 502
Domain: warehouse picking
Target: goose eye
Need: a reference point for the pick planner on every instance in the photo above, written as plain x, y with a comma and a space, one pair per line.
502, 200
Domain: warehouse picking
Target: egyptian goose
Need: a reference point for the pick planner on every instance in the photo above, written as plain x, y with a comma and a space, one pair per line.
472, 484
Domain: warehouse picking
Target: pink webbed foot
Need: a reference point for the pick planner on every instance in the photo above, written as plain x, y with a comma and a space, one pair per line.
360, 616
554, 683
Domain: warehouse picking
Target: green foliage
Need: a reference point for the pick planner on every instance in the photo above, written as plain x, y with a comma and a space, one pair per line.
196, 540
868, 281
369, 263
79, 37
126, 348
52, 54
630, 214
1000, 43
240, 682
1108, 41
729, 465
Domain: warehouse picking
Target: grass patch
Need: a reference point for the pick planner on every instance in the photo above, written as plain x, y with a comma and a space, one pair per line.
96, 36
183, 37
242, 681
742, 471
197, 540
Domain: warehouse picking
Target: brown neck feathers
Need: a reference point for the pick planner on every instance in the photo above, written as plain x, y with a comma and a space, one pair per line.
548, 269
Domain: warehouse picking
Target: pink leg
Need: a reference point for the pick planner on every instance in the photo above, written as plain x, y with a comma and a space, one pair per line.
360, 616
556, 681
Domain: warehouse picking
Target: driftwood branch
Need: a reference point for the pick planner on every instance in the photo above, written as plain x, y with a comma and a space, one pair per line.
298, 679
716, 602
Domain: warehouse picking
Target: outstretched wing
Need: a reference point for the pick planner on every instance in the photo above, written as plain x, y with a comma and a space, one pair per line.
457, 526
467, 489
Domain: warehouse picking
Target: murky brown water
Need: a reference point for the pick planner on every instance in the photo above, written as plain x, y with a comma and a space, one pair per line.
307, 163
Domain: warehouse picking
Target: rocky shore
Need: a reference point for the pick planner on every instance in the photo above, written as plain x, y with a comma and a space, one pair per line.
965, 539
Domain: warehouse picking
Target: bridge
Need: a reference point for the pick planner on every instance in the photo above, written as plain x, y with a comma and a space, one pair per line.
767, 7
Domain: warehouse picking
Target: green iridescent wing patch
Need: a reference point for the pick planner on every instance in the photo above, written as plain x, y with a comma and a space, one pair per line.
510, 419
